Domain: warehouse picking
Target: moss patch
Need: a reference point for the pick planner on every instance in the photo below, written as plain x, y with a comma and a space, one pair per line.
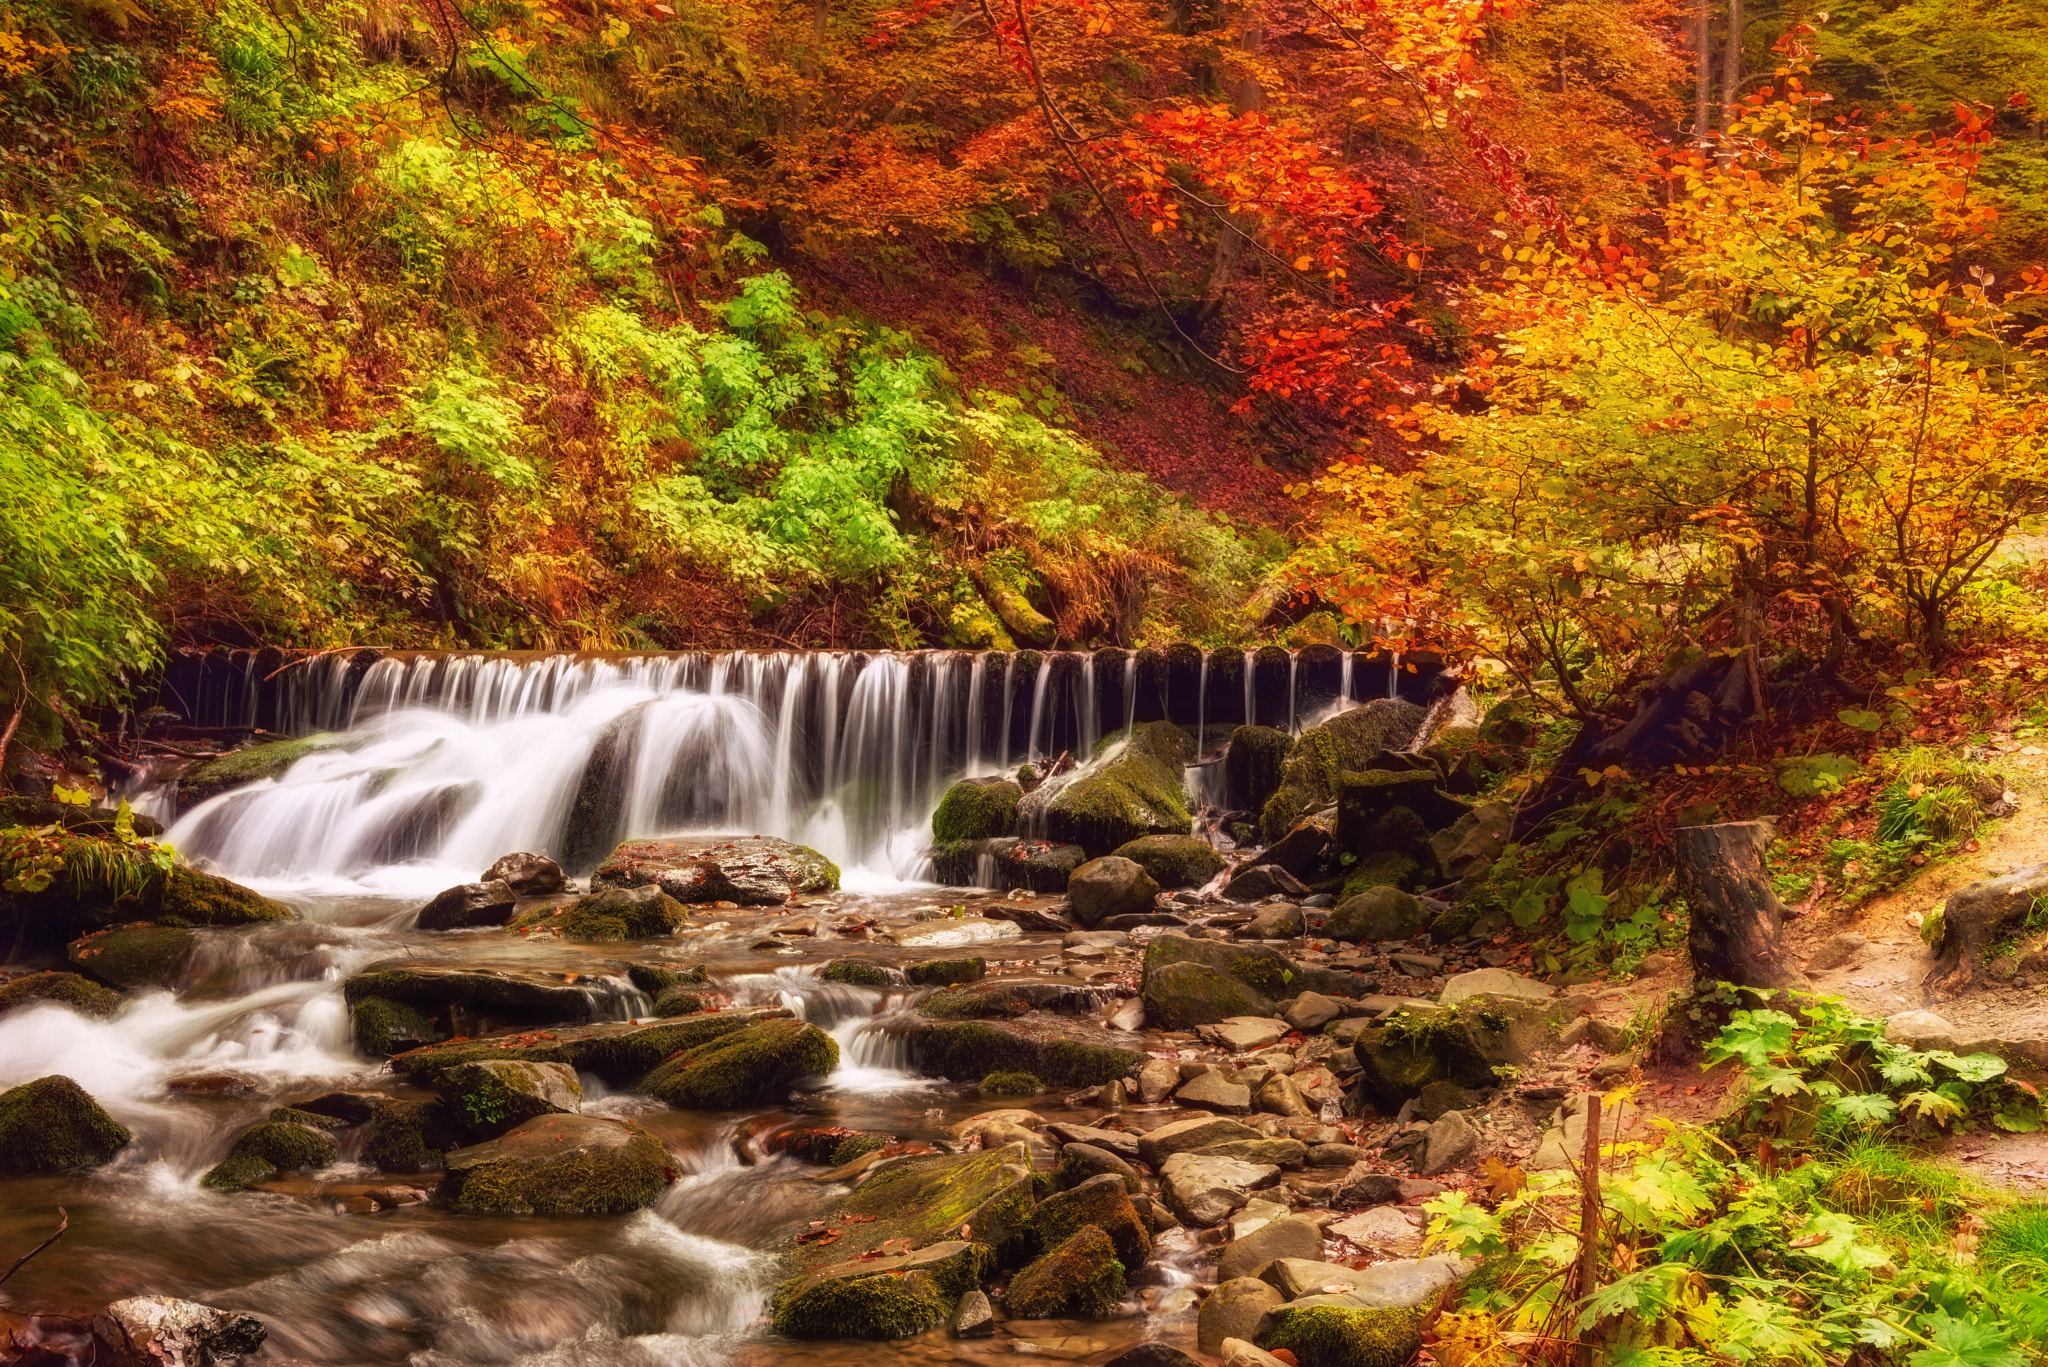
653, 978
135, 957
383, 1028
1313, 770
210, 778
977, 809
1139, 793
559, 1165
609, 914
857, 972
69, 990
1326, 1336
618, 1053
946, 972
1011, 1084
853, 1146
52, 1125
411, 1136
884, 1306
1081, 1277
1253, 765
262, 1151
1174, 861
753, 1066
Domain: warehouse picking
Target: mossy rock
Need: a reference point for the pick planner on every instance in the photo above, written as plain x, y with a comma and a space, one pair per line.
753, 1066
853, 1146
1011, 1084
1388, 869
1182, 996
1409, 1050
882, 1306
1080, 1278
1005, 998
924, 1200
491, 1096
1062, 1050
1253, 765
383, 1028
1102, 1202
946, 972
620, 1053
654, 978
104, 884
263, 1151
559, 1165
52, 1125
1138, 793
411, 1136
1174, 861
680, 1001
1381, 913
1329, 1336
859, 972
609, 914
977, 809
1311, 775
136, 957
238, 768
68, 990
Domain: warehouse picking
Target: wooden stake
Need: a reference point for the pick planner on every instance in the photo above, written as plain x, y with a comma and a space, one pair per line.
1589, 1222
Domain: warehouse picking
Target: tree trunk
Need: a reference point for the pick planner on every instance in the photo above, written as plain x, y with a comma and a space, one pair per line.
1737, 921
1703, 73
1731, 64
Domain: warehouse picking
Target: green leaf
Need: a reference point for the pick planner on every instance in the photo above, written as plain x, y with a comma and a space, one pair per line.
1860, 718
1965, 1343
1865, 1108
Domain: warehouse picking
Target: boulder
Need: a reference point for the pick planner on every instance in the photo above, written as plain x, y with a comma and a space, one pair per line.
158, 1331
753, 871
1173, 861
1122, 1143
1103, 1201
1080, 1277
78, 994
491, 1096
1265, 970
1409, 1049
1440, 1097
1304, 851
946, 972
1278, 1095
977, 809
1081, 1162
1310, 1012
488, 903
411, 1136
859, 971
1493, 982
1215, 1091
1157, 1080
1383, 1228
756, 1065
1110, 886
1132, 788
1064, 1050
1217, 1136
1202, 1188
918, 1200
1377, 914
1310, 775
1242, 1034
1333, 1336
974, 1317
618, 1052
263, 1151
1296, 1236
1233, 1311
1253, 764
1393, 1286
1260, 881
52, 1125
882, 1298
103, 884
644, 912
1003, 998
1389, 811
1275, 921
403, 1006
559, 1165
136, 957
1180, 996
1468, 847
529, 875
1448, 1144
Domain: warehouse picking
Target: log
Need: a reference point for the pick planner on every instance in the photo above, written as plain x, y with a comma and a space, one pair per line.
1974, 919
1737, 921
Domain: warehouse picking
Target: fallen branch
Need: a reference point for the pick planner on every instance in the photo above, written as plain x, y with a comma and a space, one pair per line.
63, 1223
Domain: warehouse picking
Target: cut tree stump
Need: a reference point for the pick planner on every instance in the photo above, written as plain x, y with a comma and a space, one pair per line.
1974, 919
1737, 921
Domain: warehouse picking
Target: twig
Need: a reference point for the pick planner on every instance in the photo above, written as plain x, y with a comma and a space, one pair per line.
63, 1223
337, 650
1589, 1221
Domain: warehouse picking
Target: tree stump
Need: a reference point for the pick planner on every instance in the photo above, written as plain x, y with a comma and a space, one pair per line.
1976, 918
1737, 921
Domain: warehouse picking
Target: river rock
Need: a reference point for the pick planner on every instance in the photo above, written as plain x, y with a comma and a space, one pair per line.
1204, 1188
1104, 1202
275, 1146
1110, 886
136, 957
1215, 1091
1383, 1228
1180, 996
754, 871
1310, 1012
1265, 970
491, 1096
1174, 861
1468, 847
529, 875
888, 1297
411, 1136
1406, 1052
977, 809
1392, 1286
1001, 998
1260, 881
69, 990
1920, 1030
1122, 1143
1296, 1236
1278, 1095
947, 972
974, 1317
754, 1066
1493, 982
1218, 1136
1233, 1311
1064, 1050
1157, 1080
52, 1125
1080, 1162
1309, 777
618, 1052
1078, 1277
1134, 789
954, 930
1242, 1034
158, 1331
1275, 921
488, 903
1377, 914
559, 1165
861, 971
1449, 1143
644, 912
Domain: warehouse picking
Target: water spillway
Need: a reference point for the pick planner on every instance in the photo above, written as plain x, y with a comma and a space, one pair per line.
439, 763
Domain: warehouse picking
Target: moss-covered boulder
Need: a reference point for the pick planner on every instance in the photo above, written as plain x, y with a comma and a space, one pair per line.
1011, 1084
1079, 1278
238, 768
618, 1052
1310, 776
1183, 996
1103, 1202
459, 1001
67, 990
947, 972
1038, 865
1066, 1051
923, 1200
636, 913
102, 884
1109, 886
1266, 971
263, 1151
751, 870
559, 1165
1407, 1051
1329, 1336
655, 978
1005, 998
1381, 913
383, 1028
1393, 811
135, 957
881, 1298
1174, 861
491, 1096
52, 1125
856, 971
977, 809
1134, 788
411, 1136
681, 1001
1403, 872
753, 1066
1253, 765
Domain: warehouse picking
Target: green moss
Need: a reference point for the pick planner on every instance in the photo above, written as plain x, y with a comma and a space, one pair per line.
977, 809
590, 1181
384, 1027
859, 973
201, 899
292, 1115
619, 1054
610, 914
653, 978
1253, 764
1389, 868
490, 1096
52, 1125
753, 1066
1011, 1084
1100, 1203
411, 1136
1081, 1277
946, 972
262, 1151
921, 1201
680, 1001
1071, 1063
1327, 1336
136, 956
881, 1307
211, 778
856, 1145
1174, 861
1137, 794
1180, 996
81, 995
